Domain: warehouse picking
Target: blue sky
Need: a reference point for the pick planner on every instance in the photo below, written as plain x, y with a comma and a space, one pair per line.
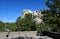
11, 9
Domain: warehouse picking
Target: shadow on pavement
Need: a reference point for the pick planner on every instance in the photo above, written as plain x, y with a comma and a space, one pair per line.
22, 38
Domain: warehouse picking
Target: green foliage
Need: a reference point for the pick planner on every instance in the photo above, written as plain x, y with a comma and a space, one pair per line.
50, 20
26, 23
2, 26
42, 27
52, 17
11, 26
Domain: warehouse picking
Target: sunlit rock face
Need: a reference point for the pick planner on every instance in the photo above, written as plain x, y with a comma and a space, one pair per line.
25, 12
38, 20
34, 13
38, 16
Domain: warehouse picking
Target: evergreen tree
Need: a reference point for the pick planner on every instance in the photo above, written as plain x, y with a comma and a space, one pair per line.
52, 16
26, 23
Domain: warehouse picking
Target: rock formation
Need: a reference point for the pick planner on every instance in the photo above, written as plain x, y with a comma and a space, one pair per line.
37, 15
